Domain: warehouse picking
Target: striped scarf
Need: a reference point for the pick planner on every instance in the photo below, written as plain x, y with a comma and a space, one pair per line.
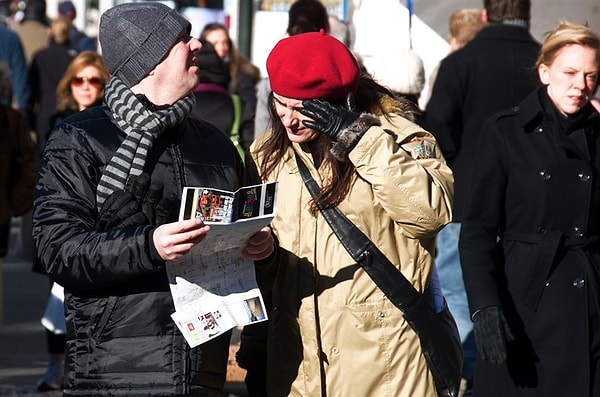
142, 126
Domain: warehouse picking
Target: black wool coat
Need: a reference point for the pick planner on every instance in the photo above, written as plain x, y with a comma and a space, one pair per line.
530, 244
494, 71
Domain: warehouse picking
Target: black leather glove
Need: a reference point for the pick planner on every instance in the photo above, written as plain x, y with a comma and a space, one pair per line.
120, 209
492, 334
155, 207
140, 203
328, 119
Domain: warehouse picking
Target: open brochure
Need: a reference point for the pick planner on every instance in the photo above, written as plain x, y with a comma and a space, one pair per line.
214, 288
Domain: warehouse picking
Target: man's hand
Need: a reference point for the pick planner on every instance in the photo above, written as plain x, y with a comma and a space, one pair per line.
140, 203
260, 245
121, 209
491, 334
328, 119
155, 207
174, 240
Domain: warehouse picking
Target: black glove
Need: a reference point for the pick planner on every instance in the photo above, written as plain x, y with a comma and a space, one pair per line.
141, 203
155, 207
491, 334
120, 209
328, 119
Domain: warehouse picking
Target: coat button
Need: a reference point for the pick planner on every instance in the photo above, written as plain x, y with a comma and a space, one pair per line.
577, 231
541, 229
380, 314
545, 175
578, 282
539, 129
335, 350
547, 283
583, 177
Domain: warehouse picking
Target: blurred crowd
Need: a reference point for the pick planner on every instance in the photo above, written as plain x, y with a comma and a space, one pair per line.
492, 187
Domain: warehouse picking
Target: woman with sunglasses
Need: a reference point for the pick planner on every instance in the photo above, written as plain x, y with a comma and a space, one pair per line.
82, 86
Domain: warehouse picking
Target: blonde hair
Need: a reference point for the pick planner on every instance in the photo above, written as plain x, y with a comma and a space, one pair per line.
464, 25
64, 95
60, 29
567, 33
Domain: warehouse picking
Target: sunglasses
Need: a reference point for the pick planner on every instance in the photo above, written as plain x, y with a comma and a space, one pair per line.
94, 81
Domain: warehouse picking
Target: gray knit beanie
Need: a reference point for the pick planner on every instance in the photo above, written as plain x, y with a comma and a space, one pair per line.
135, 37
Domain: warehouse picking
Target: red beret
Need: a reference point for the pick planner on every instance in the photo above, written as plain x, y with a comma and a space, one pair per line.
312, 65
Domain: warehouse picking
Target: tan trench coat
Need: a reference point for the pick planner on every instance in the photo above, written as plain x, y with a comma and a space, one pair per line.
367, 347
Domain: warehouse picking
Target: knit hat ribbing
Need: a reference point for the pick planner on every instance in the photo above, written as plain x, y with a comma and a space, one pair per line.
135, 37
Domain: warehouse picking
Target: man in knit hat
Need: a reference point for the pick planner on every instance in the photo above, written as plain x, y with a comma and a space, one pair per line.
105, 217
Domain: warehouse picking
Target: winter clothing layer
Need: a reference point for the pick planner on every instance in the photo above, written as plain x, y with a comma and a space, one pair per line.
323, 299
215, 104
530, 243
11, 53
47, 69
136, 37
142, 126
18, 170
494, 71
121, 338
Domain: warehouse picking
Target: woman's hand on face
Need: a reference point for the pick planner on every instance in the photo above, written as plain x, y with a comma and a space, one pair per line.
174, 240
260, 245
327, 118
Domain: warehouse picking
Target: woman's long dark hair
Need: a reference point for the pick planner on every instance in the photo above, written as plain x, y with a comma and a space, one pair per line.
370, 97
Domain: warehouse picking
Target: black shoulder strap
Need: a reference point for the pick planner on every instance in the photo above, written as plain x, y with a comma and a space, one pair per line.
383, 272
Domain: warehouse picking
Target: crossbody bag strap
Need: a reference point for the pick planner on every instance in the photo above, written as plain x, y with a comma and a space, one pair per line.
234, 134
237, 115
383, 272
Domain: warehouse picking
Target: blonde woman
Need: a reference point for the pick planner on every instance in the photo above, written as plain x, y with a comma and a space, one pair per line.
82, 85
530, 238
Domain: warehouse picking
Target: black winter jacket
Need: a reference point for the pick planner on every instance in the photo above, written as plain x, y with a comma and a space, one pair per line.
121, 338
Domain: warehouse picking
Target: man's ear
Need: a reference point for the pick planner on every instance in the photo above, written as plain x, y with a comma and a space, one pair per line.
484, 16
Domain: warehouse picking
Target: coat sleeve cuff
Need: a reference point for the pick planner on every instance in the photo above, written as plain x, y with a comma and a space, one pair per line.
350, 135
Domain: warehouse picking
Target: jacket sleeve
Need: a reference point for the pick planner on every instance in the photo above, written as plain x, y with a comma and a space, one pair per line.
408, 174
19, 72
443, 112
67, 245
479, 246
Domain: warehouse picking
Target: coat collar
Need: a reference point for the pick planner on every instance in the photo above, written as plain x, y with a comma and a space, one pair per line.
531, 112
504, 32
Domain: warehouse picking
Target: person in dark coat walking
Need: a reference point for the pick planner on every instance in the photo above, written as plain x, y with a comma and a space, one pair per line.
106, 240
493, 71
47, 69
530, 238
11, 53
216, 105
